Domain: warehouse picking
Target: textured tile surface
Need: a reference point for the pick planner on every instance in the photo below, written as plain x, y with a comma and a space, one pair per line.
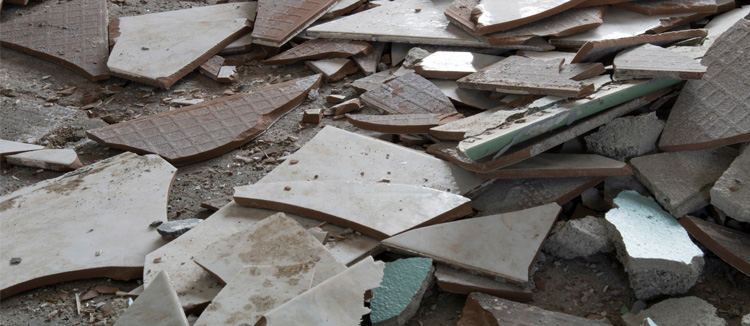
409, 93
730, 193
651, 61
400, 293
481, 307
320, 49
278, 21
158, 305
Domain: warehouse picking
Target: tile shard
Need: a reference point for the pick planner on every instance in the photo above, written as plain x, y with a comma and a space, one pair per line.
208, 129
408, 94
465, 97
730, 193
656, 251
333, 69
74, 35
547, 165
730, 245
487, 17
320, 49
566, 23
8, 147
483, 309
279, 21
651, 61
143, 53
665, 7
418, 206
511, 195
453, 64
50, 159
158, 305
452, 280
368, 63
402, 123
124, 179
400, 293
470, 243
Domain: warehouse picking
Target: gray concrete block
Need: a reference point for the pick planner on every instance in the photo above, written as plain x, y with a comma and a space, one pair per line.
731, 193
579, 238
678, 312
626, 137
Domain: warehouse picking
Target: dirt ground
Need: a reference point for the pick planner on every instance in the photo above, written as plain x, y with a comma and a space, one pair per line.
594, 288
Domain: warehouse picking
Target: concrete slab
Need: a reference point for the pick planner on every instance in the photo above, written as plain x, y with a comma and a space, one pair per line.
28, 122
681, 181
665, 7
515, 194
453, 64
485, 17
656, 251
626, 137
379, 210
158, 305
320, 49
482, 309
678, 311
402, 123
103, 218
8, 147
49, 159
730, 193
579, 238
465, 97
400, 293
471, 243
730, 245
333, 69
455, 281
279, 21
571, 21
406, 94
160, 48
651, 61
208, 129
547, 165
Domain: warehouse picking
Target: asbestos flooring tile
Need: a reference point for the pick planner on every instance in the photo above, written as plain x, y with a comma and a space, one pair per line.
402, 123
159, 49
69, 33
379, 209
455, 281
50, 159
465, 97
338, 301
480, 308
495, 16
730, 245
453, 64
408, 94
279, 21
472, 243
158, 305
320, 49
713, 111
208, 129
368, 63
333, 69
338, 155
566, 23
8, 147
547, 165
651, 61
729, 194
196, 287
39, 222
516, 194
665, 7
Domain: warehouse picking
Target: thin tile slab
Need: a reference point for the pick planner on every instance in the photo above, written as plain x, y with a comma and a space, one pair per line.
549, 55
103, 218
373, 81
320, 49
333, 69
241, 45
566, 23
478, 123
482, 309
159, 49
666, 7
712, 112
651, 61
465, 97
8, 147
196, 287
730, 245
368, 63
379, 210
516, 194
158, 305
453, 64
472, 243
49, 159
337, 301
455, 281
730, 193
495, 16
208, 129
715, 28
547, 165
69, 33
341, 8
402, 123
408, 94
399, 295
596, 50
682, 181
279, 21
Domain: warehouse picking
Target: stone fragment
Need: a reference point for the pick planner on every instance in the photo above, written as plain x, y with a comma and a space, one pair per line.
150, 51
453, 65
569, 22
731, 193
279, 21
158, 305
402, 123
730, 245
50, 159
415, 55
333, 69
547, 165
626, 137
208, 129
651, 61
594, 199
312, 115
320, 49
508, 195
471, 243
677, 312
682, 181
8, 147
103, 218
482, 309
408, 94
578, 238
173, 229
347, 106
368, 63
73, 34
665, 7
452, 280
485, 17
656, 251
337, 301
400, 293
465, 97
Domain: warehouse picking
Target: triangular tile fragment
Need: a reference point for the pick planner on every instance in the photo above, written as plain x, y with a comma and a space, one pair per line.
665, 7
494, 16
103, 218
208, 129
516, 194
70, 33
50, 159
465, 97
651, 61
482, 309
400, 293
730, 194
341, 8
408, 206
279, 21
453, 64
320, 49
158, 305
730, 245
406, 94
158, 49
569, 22
402, 123
548, 165
452, 280
333, 69
8, 147
368, 63
472, 243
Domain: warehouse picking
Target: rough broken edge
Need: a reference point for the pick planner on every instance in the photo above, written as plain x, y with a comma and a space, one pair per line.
523, 294
662, 10
499, 27
625, 170
691, 225
495, 41
416, 128
587, 47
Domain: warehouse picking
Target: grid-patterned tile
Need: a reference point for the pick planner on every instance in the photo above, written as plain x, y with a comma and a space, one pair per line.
278, 21
409, 93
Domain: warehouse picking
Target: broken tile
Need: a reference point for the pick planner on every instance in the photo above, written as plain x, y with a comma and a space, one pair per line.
335, 98
408, 94
150, 51
72, 34
656, 251
402, 123
715, 28
347, 106
173, 229
211, 67
596, 50
373, 81
333, 69
368, 63
157, 305
337, 301
50, 159
216, 204
453, 65
516, 194
452, 280
312, 115
681, 181
678, 311
666, 7
341, 8
29, 122
485, 17
320, 49
208, 129
730, 193
578, 238
466, 97
549, 55
279, 21
730, 245
103, 218
712, 112
626, 137
8, 147
476, 124
651, 61
366, 212
400, 293
482, 309
547, 165
255, 290
471, 243
241, 45
227, 75
569, 22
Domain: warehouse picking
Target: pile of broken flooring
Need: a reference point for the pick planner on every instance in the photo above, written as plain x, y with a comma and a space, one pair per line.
522, 109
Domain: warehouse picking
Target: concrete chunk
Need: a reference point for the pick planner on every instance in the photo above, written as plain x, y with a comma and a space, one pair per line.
173, 229
579, 238
50, 159
678, 312
626, 137
508, 195
731, 193
400, 293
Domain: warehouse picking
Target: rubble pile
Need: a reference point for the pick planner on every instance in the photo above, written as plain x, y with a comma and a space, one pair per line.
463, 149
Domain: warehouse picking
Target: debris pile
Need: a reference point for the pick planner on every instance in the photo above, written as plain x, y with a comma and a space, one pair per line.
475, 145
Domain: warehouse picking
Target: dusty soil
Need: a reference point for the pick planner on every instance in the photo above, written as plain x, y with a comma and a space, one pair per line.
594, 287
